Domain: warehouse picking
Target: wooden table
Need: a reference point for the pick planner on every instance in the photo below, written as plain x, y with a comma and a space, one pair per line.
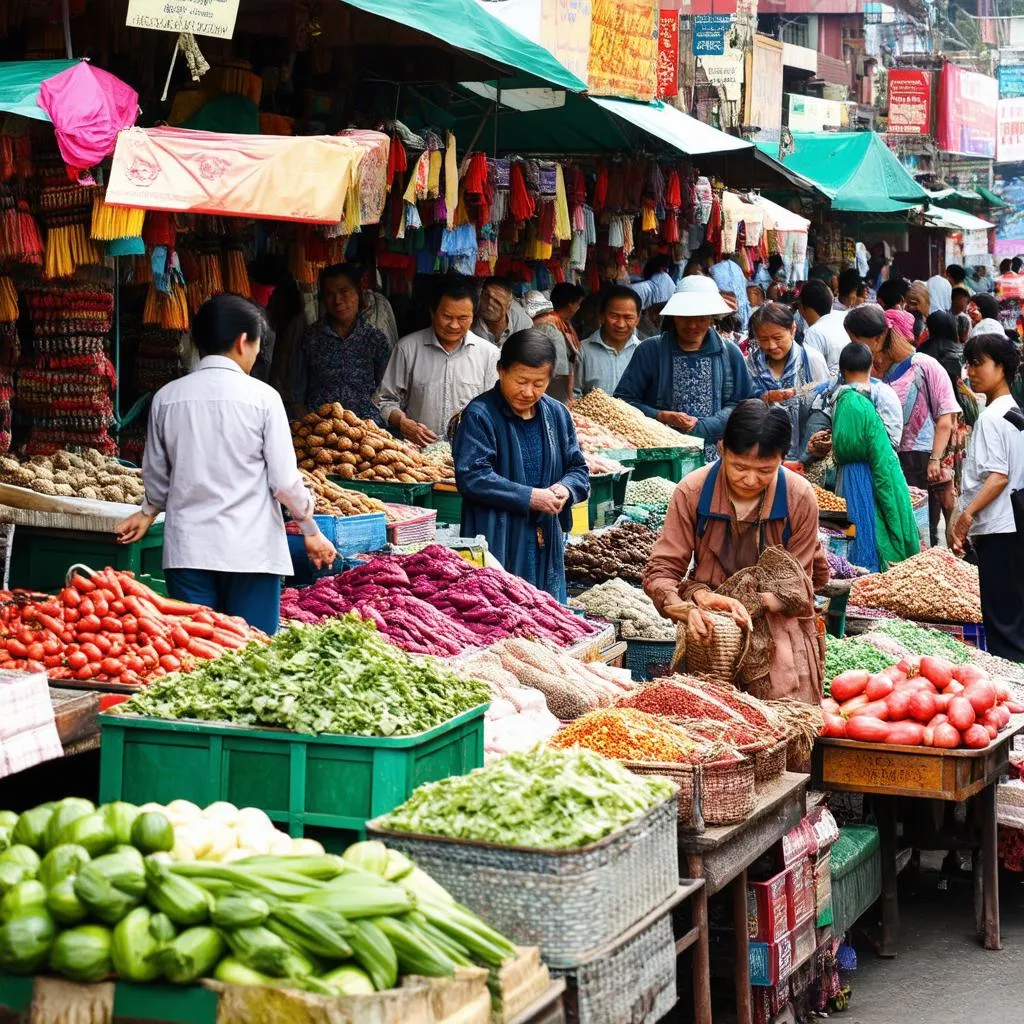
548, 1009
74, 712
888, 772
721, 857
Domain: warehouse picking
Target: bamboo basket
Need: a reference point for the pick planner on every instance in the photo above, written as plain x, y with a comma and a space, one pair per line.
723, 657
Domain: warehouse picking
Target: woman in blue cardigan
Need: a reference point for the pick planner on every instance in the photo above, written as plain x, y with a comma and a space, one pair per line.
519, 467
689, 377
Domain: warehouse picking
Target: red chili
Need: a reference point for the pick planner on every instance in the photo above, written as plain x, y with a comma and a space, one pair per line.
203, 630
226, 639
161, 646
112, 624
36, 652
179, 636
117, 607
202, 649
100, 604
90, 624
113, 581
169, 663
82, 584
51, 622
77, 659
71, 597
87, 606
17, 648
151, 627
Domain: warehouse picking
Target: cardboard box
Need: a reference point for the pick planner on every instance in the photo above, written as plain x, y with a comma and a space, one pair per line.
800, 892
798, 843
804, 939
768, 908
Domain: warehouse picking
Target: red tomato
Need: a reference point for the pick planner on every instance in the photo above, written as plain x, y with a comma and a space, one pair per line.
898, 703
946, 737
879, 687
982, 695
848, 685
968, 674
867, 730
921, 706
976, 737
830, 706
873, 709
937, 670
848, 707
834, 725
36, 651
1004, 715
907, 734
961, 713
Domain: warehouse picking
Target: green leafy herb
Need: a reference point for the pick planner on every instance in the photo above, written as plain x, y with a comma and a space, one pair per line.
925, 640
842, 655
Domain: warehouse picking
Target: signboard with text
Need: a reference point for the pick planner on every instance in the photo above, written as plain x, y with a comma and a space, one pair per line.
623, 49
910, 102
1011, 81
709, 34
763, 106
1010, 142
200, 17
967, 120
668, 54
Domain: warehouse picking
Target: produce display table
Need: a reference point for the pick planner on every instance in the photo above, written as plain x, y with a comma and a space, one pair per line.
888, 772
721, 857
75, 715
548, 1009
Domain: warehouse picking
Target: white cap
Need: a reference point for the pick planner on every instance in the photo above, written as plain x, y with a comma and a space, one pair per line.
696, 295
536, 303
987, 326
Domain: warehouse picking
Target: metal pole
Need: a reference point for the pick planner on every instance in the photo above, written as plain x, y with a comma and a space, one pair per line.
66, 19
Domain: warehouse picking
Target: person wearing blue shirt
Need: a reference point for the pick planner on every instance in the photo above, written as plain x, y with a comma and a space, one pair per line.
689, 378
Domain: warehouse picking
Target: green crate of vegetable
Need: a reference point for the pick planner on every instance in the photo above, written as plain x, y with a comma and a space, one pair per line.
627, 456
390, 493
301, 781
602, 499
41, 557
448, 503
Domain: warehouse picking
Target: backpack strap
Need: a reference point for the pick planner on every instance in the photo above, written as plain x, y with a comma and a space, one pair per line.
1015, 418
704, 502
780, 509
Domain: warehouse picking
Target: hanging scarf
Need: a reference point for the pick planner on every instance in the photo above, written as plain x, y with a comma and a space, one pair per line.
763, 377
522, 204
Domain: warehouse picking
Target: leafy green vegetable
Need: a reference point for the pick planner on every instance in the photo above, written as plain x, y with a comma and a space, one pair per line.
338, 677
545, 798
849, 653
925, 640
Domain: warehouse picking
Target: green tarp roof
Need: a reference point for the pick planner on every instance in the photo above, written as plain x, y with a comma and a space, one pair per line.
20, 81
465, 25
856, 170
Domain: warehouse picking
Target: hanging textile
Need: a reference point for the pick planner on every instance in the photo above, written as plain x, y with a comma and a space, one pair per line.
521, 202
451, 181
562, 225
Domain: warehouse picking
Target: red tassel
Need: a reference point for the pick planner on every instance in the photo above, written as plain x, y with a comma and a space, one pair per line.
521, 203
600, 190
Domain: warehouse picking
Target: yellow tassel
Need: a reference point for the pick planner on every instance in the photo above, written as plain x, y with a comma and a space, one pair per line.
8, 301
114, 222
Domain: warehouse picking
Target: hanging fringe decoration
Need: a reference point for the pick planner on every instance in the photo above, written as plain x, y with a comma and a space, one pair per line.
8, 301
236, 274
110, 223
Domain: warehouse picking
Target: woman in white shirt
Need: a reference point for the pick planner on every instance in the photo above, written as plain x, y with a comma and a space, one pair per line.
993, 472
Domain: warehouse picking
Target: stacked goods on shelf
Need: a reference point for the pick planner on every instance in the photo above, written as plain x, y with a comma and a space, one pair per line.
628, 606
295, 682
66, 212
435, 602
933, 585
334, 438
89, 474
332, 500
594, 438
633, 426
110, 628
619, 552
64, 386
93, 893
10, 350
925, 701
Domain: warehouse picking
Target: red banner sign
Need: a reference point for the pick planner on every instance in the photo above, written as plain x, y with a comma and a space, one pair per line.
910, 102
668, 53
967, 120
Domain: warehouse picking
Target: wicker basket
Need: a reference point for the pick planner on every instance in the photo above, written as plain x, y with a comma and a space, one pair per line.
769, 760
568, 902
649, 659
632, 980
687, 778
727, 792
723, 657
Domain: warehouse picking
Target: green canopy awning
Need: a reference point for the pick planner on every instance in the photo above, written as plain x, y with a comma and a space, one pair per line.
856, 170
991, 198
465, 25
20, 81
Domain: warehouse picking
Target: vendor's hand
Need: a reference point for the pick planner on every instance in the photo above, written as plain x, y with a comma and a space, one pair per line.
679, 420
934, 471
416, 432
134, 528
676, 609
320, 551
779, 396
820, 443
708, 600
960, 528
770, 602
561, 491
544, 499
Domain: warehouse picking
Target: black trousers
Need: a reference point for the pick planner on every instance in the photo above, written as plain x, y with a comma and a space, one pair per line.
1001, 574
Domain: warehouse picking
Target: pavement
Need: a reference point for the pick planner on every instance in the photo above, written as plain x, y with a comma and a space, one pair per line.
942, 974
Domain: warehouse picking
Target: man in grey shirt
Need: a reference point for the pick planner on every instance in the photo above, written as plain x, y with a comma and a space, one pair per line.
219, 460
499, 315
435, 373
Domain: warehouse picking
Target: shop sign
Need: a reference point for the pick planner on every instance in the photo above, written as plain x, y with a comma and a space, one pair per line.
967, 121
200, 17
1011, 81
812, 114
1010, 144
726, 73
709, 34
565, 32
624, 49
1008, 184
668, 54
763, 107
910, 102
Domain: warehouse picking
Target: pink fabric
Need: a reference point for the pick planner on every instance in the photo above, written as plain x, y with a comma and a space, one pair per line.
88, 107
902, 321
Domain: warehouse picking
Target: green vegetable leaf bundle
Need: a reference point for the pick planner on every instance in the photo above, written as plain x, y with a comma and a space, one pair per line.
544, 798
338, 677
925, 640
850, 653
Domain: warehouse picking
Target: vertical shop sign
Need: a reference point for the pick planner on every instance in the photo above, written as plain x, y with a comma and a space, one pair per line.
967, 121
910, 102
624, 49
565, 32
1010, 142
668, 54
709, 34
1011, 81
763, 106
200, 17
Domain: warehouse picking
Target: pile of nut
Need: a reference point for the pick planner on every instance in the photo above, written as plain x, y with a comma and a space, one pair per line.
618, 553
336, 440
89, 474
332, 500
595, 438
631, 424
827, 501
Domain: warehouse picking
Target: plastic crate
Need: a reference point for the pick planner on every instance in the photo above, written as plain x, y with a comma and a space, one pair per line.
41, 557
323, 782
394, 493
351, 535
768, 908
627, 456
771, 962
602, 499
856, 874
970, 633
666, 465
650, 659
448, 503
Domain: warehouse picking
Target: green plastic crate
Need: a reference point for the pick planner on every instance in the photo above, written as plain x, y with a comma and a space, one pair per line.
449, 506
627, 456
671, 463
325, 782
394, 493
41, 557
602, 499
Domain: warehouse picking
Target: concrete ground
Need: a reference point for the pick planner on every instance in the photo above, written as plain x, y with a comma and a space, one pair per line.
942, 975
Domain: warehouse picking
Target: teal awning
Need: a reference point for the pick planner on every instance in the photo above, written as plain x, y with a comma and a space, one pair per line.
856, 170
679, 130
20, 81
465, 25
